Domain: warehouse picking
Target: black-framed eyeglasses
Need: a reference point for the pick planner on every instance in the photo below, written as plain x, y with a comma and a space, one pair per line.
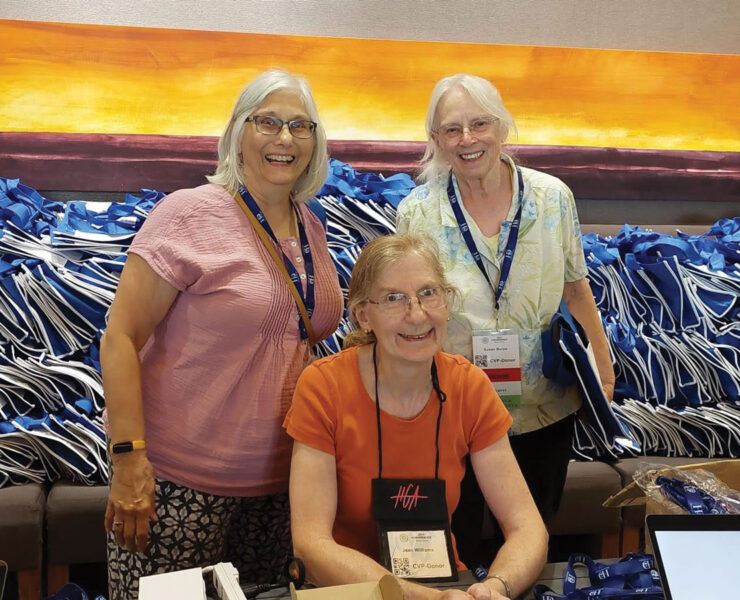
397, 303
299, 128
454, 131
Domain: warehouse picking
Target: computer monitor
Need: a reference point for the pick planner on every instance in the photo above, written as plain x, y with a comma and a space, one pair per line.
698, 556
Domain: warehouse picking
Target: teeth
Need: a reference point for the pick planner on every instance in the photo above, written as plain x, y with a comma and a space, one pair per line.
280, 158
416, 337
472, 156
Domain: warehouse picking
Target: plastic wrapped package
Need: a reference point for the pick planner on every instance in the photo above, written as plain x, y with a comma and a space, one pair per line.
680, 491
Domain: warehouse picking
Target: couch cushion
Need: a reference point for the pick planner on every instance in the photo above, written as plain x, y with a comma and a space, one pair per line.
74, 523
587, 486
21, 526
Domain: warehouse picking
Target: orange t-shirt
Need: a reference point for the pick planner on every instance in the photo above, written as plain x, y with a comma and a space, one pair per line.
332, 412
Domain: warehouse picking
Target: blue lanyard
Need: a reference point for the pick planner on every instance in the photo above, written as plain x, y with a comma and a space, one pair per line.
692, 498
470, 242
308, 297
632, 578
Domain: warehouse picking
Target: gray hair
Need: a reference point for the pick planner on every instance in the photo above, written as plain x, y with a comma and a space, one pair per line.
484, 94
229, 170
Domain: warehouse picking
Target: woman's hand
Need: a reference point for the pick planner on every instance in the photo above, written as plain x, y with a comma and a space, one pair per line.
130, 505
482, 591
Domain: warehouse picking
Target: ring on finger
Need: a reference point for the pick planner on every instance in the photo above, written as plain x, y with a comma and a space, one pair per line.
117, 523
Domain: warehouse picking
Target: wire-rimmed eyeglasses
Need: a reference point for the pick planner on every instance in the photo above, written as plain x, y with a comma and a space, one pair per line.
452, 132
397, 303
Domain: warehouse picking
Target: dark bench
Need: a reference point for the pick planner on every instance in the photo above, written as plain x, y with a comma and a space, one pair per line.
21, 535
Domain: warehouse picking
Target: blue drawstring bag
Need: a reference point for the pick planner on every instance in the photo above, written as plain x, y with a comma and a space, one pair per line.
566, 360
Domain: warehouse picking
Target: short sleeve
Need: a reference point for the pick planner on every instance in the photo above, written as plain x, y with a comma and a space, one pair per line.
169, 241
486, 417
575, 261
312, 417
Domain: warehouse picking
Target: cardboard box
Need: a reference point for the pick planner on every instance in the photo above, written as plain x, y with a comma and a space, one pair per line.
728, 471
387, 588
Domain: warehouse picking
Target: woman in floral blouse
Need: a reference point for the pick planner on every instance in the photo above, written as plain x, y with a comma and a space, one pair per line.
510, 241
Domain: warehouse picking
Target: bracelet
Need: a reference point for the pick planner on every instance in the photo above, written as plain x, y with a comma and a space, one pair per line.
123, 447
507, 589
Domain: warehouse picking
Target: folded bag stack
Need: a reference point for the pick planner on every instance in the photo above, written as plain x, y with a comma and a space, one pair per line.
671, 310
59, 268
670, 306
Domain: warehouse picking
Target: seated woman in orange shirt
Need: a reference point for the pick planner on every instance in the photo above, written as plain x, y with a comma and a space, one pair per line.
381, 433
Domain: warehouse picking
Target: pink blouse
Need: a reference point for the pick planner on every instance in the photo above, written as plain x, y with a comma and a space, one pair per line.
218, 372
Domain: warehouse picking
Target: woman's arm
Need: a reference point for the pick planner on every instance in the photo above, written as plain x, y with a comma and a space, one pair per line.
313, 508
141, 302
580, 301
524, 552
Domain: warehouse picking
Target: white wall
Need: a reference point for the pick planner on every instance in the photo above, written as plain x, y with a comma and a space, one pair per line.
670, 25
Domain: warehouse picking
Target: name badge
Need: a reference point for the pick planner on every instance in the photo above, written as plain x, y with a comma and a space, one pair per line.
419, 554
413, 529
497, 353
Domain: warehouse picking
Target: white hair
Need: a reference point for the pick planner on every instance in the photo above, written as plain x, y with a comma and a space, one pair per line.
229, 170
483, 92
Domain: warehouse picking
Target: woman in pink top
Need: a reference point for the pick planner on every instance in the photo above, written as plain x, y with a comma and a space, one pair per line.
225, 288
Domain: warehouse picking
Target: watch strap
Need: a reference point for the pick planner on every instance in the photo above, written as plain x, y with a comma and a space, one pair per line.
128, 446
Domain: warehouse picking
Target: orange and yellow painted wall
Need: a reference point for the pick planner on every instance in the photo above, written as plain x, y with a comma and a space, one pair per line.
71, 78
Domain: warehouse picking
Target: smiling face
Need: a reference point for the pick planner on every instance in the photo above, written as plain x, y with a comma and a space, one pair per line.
473, 155
416, 334
273, 163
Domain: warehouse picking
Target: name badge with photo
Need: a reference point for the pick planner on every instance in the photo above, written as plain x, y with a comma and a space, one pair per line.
497, 353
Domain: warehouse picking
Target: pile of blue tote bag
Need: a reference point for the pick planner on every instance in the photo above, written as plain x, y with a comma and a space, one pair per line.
670, 307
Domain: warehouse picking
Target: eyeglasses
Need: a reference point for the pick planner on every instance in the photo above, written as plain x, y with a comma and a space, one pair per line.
454, 131
300, 128
396, 303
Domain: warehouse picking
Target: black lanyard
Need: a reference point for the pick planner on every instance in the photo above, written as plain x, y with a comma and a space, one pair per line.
308, 297
440, 394
470, 242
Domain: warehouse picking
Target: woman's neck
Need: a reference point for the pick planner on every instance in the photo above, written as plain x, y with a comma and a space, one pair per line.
404, 387
488, 199
495, 185
277, 207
